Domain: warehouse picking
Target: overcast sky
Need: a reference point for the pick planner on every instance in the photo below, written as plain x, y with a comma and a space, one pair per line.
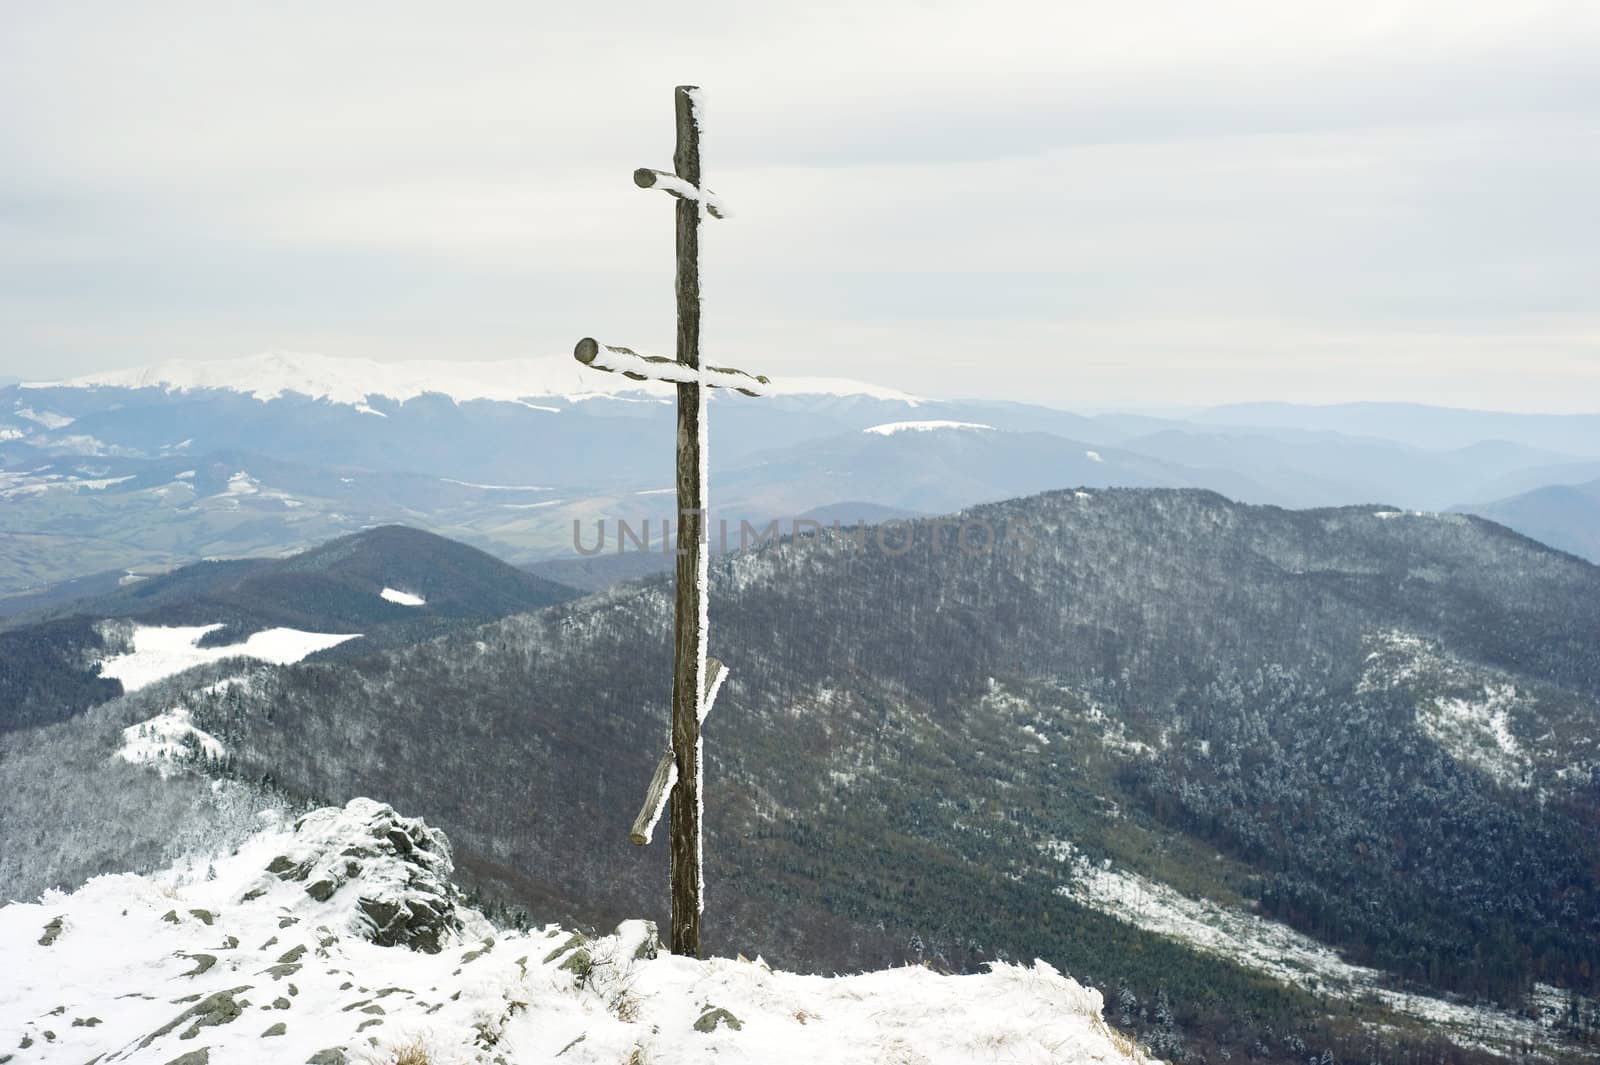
1097, 204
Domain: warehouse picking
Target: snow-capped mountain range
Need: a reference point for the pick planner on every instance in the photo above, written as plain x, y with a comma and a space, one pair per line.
353, 381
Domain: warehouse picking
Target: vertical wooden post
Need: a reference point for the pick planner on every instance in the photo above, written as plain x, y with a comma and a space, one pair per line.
694, 676
688, 655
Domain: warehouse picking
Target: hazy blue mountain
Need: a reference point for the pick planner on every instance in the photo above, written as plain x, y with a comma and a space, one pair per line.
854, 512
934, 470
1441, 428
1566, 516
1516, 482
1302, 468
66, 516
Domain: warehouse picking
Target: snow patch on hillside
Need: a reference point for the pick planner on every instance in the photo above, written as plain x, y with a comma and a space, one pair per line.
18, 485
275, 953
497, 487
1278, 951
891, 428
394, 595
161, 651
1478, 731
1465, 709
45, 418
167, 741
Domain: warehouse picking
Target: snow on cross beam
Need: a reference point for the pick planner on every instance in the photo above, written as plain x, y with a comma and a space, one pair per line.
646, 178
631, 364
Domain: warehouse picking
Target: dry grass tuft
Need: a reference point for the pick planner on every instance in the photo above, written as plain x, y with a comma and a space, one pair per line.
624, 1005
1124, 1044
412, 1053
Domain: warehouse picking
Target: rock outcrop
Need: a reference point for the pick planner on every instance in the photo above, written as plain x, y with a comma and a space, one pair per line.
372, 872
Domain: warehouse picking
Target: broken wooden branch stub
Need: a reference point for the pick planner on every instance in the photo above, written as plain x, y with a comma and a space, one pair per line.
666, 774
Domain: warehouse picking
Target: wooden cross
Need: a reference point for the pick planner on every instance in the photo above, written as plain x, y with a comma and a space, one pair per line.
695, 678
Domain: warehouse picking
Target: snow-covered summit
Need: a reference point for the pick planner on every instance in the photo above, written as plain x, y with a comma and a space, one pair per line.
276, 953
353, 381
928, 426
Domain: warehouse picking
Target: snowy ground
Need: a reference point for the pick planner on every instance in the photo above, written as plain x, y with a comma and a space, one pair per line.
1284, 954
167, 741
396, 596
268, 955
161, 651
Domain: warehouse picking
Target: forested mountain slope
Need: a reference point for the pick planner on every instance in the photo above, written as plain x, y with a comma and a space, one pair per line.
1377, 729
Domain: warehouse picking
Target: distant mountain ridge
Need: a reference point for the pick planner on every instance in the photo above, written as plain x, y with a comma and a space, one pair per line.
1566, 516
162, 465
1421, 425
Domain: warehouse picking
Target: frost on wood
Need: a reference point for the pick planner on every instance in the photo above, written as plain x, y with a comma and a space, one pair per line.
658, 805
666, 774
631, 364
702, 557
646, 178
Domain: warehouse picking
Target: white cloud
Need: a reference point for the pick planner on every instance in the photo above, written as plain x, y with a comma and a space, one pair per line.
1273, 198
